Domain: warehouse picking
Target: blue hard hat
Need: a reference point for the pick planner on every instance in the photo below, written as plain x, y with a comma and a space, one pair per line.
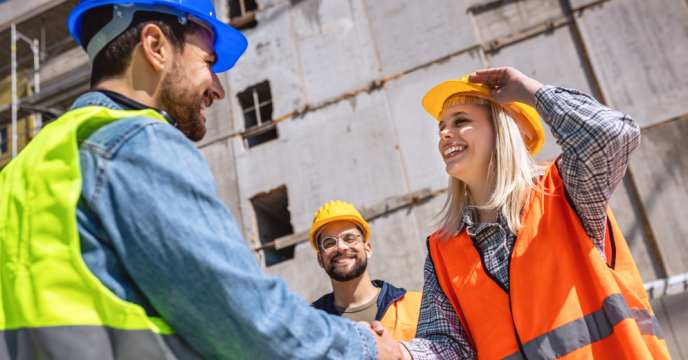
229, 43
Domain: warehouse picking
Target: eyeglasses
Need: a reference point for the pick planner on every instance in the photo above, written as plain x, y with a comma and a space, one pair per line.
328, 244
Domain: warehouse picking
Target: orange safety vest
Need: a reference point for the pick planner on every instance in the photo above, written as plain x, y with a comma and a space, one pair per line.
401, 317
564, 300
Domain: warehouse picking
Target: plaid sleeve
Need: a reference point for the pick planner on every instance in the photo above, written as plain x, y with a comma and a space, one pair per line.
440, 334
596, 142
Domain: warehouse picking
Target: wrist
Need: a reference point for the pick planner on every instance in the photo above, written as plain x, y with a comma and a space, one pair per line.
528, 89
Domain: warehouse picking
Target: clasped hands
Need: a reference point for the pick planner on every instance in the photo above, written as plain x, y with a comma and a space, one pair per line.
387, 347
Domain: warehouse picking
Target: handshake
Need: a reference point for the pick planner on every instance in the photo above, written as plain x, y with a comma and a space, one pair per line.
387, 347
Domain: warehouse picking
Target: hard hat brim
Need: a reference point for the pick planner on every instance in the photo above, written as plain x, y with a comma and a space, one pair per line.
228, 42
526, 117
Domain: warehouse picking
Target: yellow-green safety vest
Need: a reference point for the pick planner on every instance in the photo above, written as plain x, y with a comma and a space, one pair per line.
51, 305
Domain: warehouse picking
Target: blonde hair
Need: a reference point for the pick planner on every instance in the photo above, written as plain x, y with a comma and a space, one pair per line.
511, 169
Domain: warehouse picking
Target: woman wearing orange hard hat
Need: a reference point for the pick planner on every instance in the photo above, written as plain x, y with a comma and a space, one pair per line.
529, 262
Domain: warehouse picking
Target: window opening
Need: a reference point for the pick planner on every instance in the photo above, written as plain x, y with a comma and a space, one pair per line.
256, 102
242, 14
3, 140
274, 221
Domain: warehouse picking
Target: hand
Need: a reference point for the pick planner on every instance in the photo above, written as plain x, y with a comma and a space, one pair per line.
387, 348
507, 85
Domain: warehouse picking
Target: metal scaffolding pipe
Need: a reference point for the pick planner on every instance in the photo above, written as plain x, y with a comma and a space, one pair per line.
15, 103
37, 82
15, 35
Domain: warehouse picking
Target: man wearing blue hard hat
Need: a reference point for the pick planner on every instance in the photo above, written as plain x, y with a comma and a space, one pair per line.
113, 242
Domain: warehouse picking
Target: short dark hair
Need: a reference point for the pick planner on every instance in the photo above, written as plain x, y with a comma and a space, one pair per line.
115, 57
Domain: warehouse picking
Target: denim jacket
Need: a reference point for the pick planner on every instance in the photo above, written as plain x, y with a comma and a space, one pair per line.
153, 231
388, 295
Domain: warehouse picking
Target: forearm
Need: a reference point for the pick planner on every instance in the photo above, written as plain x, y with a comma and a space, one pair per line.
193, 266
440, 334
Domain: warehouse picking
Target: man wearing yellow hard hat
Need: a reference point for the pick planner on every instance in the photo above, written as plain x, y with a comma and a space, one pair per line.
341, 238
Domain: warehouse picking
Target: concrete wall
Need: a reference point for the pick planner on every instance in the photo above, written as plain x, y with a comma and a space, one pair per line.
347, 78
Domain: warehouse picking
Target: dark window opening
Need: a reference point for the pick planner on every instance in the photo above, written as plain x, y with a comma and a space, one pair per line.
3, 140
242, 14
256, 102
259, 139
274, 221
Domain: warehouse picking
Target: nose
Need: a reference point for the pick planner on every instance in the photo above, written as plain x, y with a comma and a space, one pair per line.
445, 134
342, 245
216, 90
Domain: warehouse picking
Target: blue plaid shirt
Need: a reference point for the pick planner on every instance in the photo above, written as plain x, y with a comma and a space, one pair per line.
596, 142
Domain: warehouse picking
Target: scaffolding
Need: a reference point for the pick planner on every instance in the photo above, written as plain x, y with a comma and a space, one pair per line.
35, 48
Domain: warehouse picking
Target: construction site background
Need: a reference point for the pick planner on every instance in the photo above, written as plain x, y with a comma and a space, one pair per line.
325, 105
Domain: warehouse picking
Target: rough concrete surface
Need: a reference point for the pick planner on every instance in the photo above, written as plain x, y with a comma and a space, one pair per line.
660, 170
508, 18
12, 10
341, 152
638, 50
272, 56
672, 315
411, 33
627, 213
337, 47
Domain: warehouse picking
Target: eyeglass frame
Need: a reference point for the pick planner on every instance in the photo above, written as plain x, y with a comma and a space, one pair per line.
337, 239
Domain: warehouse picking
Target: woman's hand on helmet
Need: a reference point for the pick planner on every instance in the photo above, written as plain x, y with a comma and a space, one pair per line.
507, 85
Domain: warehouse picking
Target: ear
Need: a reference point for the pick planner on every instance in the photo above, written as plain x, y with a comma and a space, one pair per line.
156, 48
369, 250
320, 261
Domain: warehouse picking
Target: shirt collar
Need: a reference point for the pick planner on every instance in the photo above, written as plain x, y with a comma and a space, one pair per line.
95, 98
116, 101
468, 221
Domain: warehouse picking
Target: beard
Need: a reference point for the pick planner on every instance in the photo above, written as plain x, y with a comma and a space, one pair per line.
343, 275
183, 104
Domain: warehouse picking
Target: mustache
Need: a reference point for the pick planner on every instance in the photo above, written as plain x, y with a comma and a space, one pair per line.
343, 253
206, 94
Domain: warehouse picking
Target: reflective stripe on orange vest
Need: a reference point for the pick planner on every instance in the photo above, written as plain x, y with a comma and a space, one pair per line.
588, 329
401, 318
563, 300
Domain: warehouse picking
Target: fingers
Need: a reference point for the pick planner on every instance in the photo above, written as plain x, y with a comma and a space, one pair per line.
492, 77
377, 327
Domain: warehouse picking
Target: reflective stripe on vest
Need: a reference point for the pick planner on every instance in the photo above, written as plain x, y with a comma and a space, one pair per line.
588, 329
563, 299
91, 342
401, 318
51, 305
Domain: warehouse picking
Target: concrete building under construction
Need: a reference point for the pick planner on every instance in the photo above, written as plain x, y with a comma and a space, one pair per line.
325, 105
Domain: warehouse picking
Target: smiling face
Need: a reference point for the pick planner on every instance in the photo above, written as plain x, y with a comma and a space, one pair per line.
467, 141
191, 85
344, 263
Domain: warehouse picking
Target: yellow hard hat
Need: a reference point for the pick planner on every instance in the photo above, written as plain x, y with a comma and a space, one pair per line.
336, 211
527, 118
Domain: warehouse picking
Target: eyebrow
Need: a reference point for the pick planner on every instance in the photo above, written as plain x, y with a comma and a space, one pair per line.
452, 115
